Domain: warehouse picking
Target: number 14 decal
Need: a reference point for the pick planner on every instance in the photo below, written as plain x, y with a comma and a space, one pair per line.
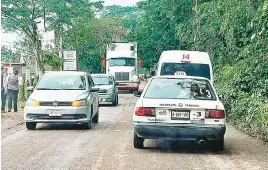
186, 56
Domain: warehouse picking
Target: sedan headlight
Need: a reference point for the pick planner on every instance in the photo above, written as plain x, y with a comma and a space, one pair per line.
34, 103
79, 103
110, 91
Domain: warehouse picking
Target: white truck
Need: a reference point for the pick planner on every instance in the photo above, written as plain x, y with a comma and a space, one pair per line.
122, 62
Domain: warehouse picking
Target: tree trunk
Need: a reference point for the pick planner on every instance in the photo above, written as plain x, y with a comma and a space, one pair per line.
38, 51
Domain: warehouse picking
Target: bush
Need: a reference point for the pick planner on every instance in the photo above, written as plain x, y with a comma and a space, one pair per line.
245, 96
22, 92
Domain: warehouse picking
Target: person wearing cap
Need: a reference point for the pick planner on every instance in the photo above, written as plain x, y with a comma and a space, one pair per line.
13, 90
3, 89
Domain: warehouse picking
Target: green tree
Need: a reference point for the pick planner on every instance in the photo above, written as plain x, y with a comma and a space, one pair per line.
9, 56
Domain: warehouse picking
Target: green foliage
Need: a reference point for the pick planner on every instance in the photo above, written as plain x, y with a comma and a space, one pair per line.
128, 15
52, 60
58, 15
8, 55
90, 38
22, 92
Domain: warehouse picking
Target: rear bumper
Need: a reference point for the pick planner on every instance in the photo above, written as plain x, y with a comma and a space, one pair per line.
128, 85
179, 131
106, 98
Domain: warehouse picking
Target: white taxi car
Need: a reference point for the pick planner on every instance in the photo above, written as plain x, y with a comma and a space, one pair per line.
63, 97
179, 107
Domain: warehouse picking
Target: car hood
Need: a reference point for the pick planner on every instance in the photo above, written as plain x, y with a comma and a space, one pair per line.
59, 95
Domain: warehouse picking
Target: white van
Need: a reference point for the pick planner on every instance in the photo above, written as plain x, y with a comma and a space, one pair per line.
193, 63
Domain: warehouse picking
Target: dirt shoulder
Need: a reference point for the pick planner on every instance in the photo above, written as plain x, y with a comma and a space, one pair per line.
11, 119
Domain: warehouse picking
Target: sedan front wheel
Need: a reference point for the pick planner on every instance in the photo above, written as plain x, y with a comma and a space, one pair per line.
31, 125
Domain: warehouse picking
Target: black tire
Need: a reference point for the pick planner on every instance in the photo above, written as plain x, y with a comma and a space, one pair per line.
138, 142
95, 119
218, 145
87, 125
31, 125
114, 102
117, 101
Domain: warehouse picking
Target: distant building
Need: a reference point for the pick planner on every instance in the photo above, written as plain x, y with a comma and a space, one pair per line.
10, 66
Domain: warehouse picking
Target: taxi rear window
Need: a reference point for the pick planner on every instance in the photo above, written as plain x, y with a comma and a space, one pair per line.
174, 88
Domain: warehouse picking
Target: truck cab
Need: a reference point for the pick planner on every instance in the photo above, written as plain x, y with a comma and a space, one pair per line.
122, 62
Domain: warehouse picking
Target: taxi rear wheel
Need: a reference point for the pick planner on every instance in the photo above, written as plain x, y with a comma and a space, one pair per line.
218, 145
138, 142
30, 125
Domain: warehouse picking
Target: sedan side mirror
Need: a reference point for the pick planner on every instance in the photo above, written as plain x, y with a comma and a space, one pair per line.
94, 89
31, 88
221, 97
153, 73
137, 93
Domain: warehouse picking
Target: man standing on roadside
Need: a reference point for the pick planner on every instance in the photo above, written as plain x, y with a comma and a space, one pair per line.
3, 89
13, 90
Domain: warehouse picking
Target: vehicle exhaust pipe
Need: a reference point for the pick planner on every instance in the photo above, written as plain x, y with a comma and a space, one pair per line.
201, 141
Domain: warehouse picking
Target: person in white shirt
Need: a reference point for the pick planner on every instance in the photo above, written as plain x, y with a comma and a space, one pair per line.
3, 89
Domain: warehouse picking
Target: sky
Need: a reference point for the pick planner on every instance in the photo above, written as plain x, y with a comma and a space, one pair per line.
11, 37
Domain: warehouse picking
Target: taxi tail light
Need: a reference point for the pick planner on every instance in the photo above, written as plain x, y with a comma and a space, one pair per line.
144, 111
215, 114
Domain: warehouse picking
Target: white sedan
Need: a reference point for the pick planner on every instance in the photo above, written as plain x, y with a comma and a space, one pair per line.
63, 97
179, 107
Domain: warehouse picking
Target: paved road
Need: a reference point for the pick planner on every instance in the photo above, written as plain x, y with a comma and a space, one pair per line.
109, 146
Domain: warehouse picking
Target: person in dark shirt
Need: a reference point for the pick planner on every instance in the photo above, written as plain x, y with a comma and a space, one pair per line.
13, 90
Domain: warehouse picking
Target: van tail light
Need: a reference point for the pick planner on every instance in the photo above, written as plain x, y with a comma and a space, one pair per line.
215, 114
144, 111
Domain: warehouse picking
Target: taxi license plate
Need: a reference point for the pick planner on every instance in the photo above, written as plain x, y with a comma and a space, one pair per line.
180, 115
56, 113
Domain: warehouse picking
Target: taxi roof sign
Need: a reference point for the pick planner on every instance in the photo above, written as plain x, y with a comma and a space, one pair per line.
180, 73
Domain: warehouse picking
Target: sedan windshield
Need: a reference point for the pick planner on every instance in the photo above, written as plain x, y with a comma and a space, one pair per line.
102, 80
174, 88
62, 82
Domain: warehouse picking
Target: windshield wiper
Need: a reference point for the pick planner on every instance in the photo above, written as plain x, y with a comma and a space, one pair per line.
203, 98
45, 89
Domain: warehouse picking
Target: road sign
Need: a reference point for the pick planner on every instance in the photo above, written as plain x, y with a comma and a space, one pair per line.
69, 55
70, 65
70, 61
